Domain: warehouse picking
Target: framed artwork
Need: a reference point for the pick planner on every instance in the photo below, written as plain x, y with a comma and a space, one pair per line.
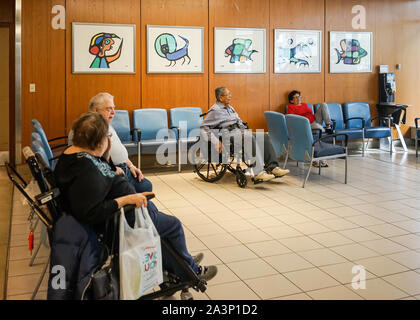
350, 52
239, 50
297, 51
103, 48
175, 49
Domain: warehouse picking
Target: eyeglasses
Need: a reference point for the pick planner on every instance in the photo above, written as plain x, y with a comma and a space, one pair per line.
297, 97
109, 109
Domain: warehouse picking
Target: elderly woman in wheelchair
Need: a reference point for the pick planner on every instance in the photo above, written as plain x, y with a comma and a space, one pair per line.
92, 192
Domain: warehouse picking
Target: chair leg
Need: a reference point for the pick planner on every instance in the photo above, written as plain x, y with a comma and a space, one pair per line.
390, 144
417, 152
307, 175
285, 160
319, 170
40, 279
363, 143
297, 163
179, 156
345, 168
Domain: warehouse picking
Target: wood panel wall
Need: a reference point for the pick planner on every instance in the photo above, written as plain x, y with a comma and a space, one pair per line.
61, 96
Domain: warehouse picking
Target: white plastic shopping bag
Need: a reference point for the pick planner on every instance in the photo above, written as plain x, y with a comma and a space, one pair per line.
140, 256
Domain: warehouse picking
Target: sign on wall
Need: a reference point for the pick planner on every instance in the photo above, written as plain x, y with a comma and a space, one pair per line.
103, 48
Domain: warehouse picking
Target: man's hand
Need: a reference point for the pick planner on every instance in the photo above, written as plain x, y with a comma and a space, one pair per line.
136, 172
119, 171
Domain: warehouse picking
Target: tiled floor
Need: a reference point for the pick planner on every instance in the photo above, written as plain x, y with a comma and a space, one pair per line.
279, 241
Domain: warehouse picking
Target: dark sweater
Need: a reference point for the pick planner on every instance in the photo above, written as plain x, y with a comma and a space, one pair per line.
89, 186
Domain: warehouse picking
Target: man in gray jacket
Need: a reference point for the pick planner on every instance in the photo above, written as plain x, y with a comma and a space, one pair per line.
223, 117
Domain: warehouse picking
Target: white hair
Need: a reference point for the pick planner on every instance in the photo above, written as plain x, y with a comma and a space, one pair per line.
97, 101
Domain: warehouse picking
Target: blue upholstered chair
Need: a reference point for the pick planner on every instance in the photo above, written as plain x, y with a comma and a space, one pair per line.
128, 137
353, 111
152, 124
303, 148
277, 130
186, 122
336, 114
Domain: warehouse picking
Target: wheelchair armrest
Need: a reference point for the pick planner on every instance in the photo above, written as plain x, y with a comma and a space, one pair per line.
416, 122
356, 118
319, 132
332, 136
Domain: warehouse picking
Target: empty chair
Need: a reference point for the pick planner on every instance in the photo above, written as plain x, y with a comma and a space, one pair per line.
277, 130
128, 137
417, 134
353, 111
186, 121
153, 131
336, 114
303, 148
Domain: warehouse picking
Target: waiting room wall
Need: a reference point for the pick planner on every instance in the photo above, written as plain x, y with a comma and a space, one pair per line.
61, 96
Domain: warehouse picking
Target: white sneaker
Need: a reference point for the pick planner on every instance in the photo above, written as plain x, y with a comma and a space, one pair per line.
264, 176
279, 172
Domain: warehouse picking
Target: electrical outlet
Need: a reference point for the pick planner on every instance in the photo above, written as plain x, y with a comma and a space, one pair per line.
32, 87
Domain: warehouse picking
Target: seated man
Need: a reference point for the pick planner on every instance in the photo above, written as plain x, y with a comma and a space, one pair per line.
296, 106
92, 192
222, 116
103, 103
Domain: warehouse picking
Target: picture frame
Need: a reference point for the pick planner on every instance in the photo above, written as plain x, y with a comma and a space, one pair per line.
297, 51
239, 50
350, 52
175, 49
103, 48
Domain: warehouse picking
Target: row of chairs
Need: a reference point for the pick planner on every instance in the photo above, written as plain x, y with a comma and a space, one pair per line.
150, 129
292, 137
355, 120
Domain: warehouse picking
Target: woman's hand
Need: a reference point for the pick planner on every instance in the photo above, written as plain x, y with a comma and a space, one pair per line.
136, 199
136, 172
120, 171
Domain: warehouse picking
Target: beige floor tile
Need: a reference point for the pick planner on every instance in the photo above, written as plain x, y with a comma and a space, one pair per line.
219, 240
224, 275
409, 225
309, 228
334, 293
288, 262
378, 289
338, 224
326, 204
292, 219
250, 213
250, 237
330, 239
272, 286
234, 253
360, 234
250, 269
265, 222
299, 296
302, 207
381, 266
238, 205
344, 212
21, 267
24, 284
231, 291
410, 259
387, 230
300, 243
236, 225
262, 203
209, 258
384, 246
354, 251
364, 220
410, 241
41, 295
268, 248
311, 279
206, 229
278, 210
282, 232
345, 272
350, 201
192, 220
322, 257
193, 244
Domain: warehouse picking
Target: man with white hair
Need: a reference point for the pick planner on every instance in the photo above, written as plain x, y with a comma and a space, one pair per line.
103, 103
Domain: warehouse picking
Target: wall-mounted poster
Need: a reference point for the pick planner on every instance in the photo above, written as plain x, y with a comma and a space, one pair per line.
239, 50
103, 48
175, 49
297, 51
350, 52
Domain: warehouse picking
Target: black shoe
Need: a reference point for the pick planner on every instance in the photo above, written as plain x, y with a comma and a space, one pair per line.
207, 273
198, 257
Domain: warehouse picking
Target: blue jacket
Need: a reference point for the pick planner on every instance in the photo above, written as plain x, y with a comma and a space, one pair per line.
74, 246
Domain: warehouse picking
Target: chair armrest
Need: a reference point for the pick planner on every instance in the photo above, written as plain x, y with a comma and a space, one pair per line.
58, 138
138, 134
319, 132
59, 146
415, 121
334, 123
389, 118
332, 136
178, 130
357, 118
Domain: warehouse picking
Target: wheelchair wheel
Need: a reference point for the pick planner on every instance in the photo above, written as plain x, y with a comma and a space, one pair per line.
210, 172
241, 179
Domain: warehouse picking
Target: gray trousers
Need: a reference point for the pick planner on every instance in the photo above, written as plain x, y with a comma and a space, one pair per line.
321, 116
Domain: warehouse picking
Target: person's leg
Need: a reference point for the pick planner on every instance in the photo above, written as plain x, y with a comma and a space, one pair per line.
323, 114
141, 186
270, 157
253, 149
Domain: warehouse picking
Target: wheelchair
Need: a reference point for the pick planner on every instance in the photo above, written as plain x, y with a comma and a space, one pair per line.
47, 209
210, 170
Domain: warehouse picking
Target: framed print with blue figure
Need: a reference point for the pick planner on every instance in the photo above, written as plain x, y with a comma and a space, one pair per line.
103, 48
350, 52
175, 49
297, 51
239, 50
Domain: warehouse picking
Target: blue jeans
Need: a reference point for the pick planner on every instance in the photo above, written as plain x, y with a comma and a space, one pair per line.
141, 186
